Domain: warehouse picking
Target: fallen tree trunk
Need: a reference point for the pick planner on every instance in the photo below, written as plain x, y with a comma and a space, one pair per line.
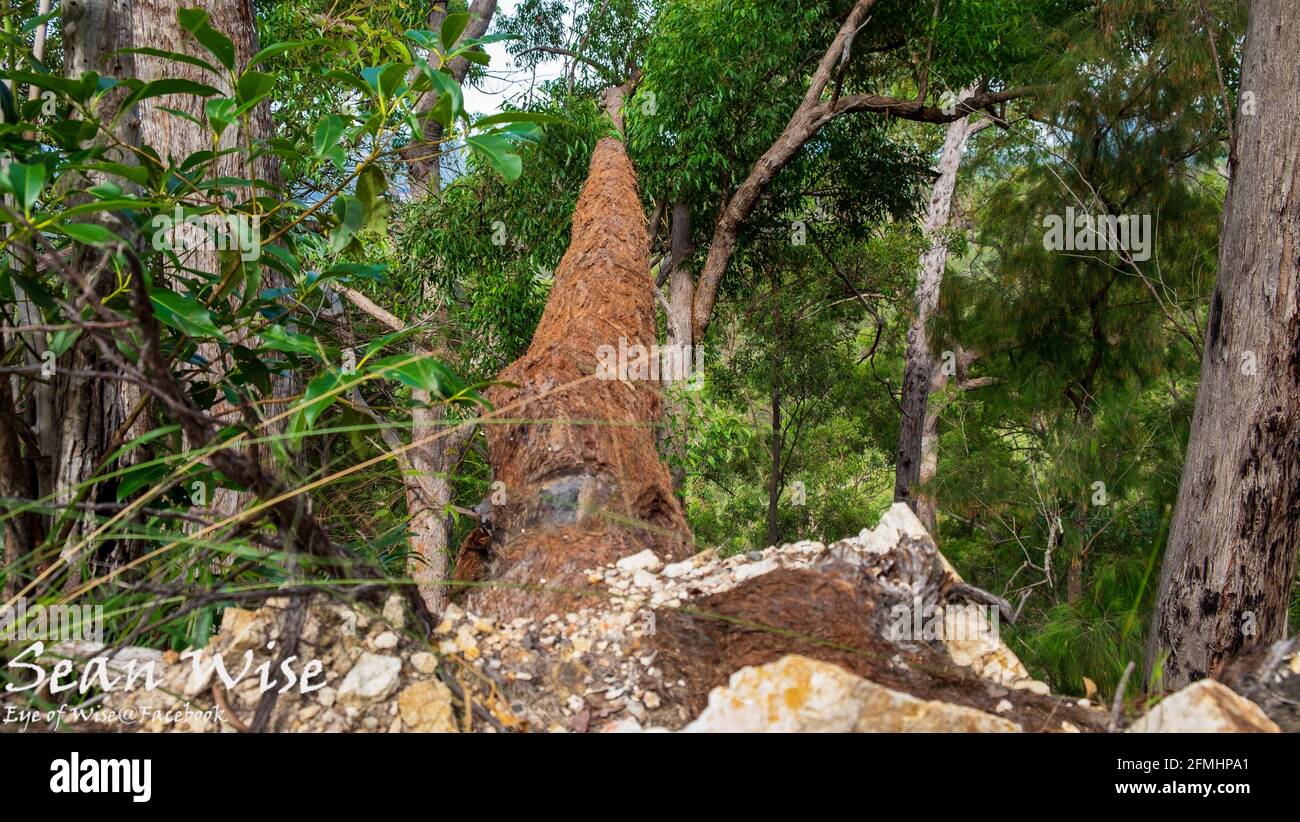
576, 462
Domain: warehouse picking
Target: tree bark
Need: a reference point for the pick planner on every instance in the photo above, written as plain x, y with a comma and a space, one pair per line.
681, 347
1231, 557
83, 413
580, 472
918, 425
776, 442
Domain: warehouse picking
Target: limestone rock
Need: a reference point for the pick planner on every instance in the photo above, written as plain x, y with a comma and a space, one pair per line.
800, 694
425, 707
373, 677
1205, 707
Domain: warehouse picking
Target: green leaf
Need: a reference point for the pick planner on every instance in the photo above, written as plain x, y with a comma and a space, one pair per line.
328, 132
276, 49
184, 313
318, 398
195, 21
90, 234
421, 372
277, 338
351, 215
158, 88
220, 113
497, 150
450, 95
254, 85
174, 55
452, 28
26, 182
518, 117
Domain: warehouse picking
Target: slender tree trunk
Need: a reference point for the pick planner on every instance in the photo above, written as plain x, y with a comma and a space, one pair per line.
83, 413
423, 157
918, 425
1231, 557
681, 294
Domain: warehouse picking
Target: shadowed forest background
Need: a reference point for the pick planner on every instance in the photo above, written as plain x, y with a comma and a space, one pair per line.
845, 208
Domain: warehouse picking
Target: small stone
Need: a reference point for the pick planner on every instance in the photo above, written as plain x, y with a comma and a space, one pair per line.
395, 612
644, 561
424, 662
754, 556
374, 677
326, 696
651, 700
385, 641
1003, 706
425, 707
370, 723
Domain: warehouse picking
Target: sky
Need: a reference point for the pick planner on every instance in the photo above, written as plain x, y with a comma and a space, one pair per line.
504, 79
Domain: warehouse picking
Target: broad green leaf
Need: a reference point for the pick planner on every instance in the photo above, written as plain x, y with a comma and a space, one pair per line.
174, 55
195, 21
517, 117
26, 182
452, 28
90, 234
277, 338
158, 88
328, 132
498, 151
420, 372
184, 313
254, 85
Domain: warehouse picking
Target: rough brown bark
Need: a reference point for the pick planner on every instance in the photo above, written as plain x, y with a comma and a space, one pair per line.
582, 477
918, 423
176, 138
1231, 557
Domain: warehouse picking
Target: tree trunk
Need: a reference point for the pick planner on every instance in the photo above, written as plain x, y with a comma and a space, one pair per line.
83, 413
918, 425
582, 479
681, 293
1231, 557
774, 478
177, 138
423, 157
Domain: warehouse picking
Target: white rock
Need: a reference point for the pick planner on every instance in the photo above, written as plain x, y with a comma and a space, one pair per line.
644, 561
800, 694
373, 677
1205, 707
385, 641
424, 662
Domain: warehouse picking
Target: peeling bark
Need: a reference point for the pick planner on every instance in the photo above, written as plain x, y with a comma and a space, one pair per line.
1231, 557
919, 424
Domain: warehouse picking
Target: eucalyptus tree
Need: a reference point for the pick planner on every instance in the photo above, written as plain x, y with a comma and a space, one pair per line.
1231, 559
